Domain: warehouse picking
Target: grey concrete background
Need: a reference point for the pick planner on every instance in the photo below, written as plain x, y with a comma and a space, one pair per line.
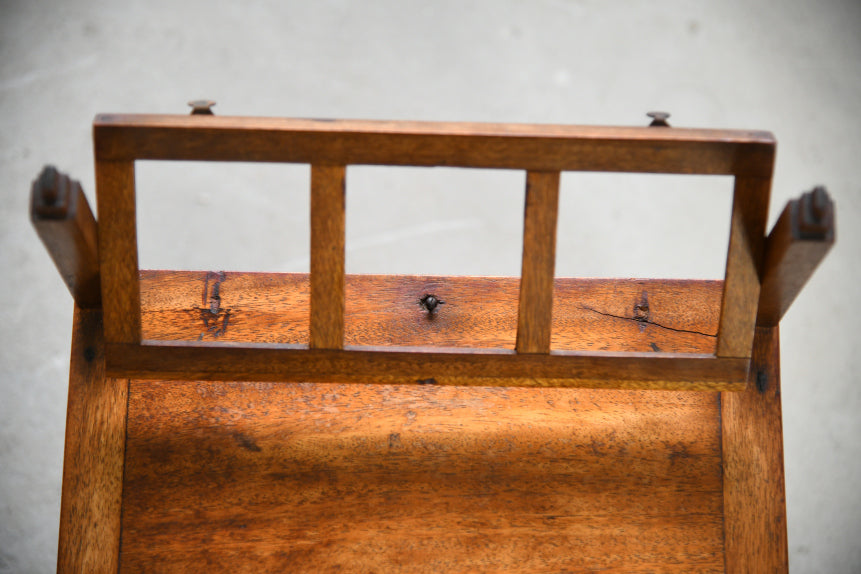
791, 67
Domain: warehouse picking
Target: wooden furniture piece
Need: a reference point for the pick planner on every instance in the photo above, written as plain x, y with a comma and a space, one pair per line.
289, 422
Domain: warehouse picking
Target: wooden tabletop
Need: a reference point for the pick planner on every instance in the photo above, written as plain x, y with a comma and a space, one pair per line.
209, 476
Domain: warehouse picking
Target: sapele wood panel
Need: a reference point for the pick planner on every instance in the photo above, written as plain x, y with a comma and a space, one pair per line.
328, 219
534, 317
118, 250
272, 478
510, 146
93, 461
754, 494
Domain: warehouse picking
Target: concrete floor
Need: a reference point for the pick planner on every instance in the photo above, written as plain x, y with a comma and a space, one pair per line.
790, 67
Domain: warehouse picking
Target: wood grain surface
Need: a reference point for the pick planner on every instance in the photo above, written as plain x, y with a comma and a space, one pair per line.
121, 139
328, 219
637, 315
303, 477
246, 477
534, 318
94, 455
118, 250
793, 252
62, 217
743, 266
652, 368
508, 146
754, 495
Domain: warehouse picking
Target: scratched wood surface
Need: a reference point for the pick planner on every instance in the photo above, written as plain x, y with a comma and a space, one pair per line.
260, 477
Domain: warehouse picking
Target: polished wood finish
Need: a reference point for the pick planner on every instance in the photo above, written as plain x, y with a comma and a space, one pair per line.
534, 318
753, 483
418, 365
541, 150
743, 266
595, 359
328, 219
320, 478
800, 240
249, 422
591, 314
273, 477
95, 450
307, 477
118, 250
65, 223
506, 146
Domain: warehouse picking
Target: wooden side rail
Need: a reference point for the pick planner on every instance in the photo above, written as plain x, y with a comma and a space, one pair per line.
64, 221
181, 360
127, 137
799, 241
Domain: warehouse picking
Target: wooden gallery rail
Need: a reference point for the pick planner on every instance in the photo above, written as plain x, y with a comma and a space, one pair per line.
329, 146
175, 457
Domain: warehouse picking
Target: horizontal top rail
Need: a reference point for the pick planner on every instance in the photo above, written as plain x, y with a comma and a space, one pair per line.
126, 137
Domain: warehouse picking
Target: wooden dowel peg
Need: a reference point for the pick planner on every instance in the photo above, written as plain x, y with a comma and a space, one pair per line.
66, 225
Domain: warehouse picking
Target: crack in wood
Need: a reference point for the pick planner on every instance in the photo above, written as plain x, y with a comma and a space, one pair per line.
647, 321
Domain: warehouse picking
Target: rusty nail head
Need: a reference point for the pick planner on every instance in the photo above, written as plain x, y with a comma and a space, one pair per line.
201, 107
430, 302
659, 119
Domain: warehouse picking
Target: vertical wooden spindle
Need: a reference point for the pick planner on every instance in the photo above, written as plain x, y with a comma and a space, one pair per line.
744, 259
534, 319
118, 251
328, 218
